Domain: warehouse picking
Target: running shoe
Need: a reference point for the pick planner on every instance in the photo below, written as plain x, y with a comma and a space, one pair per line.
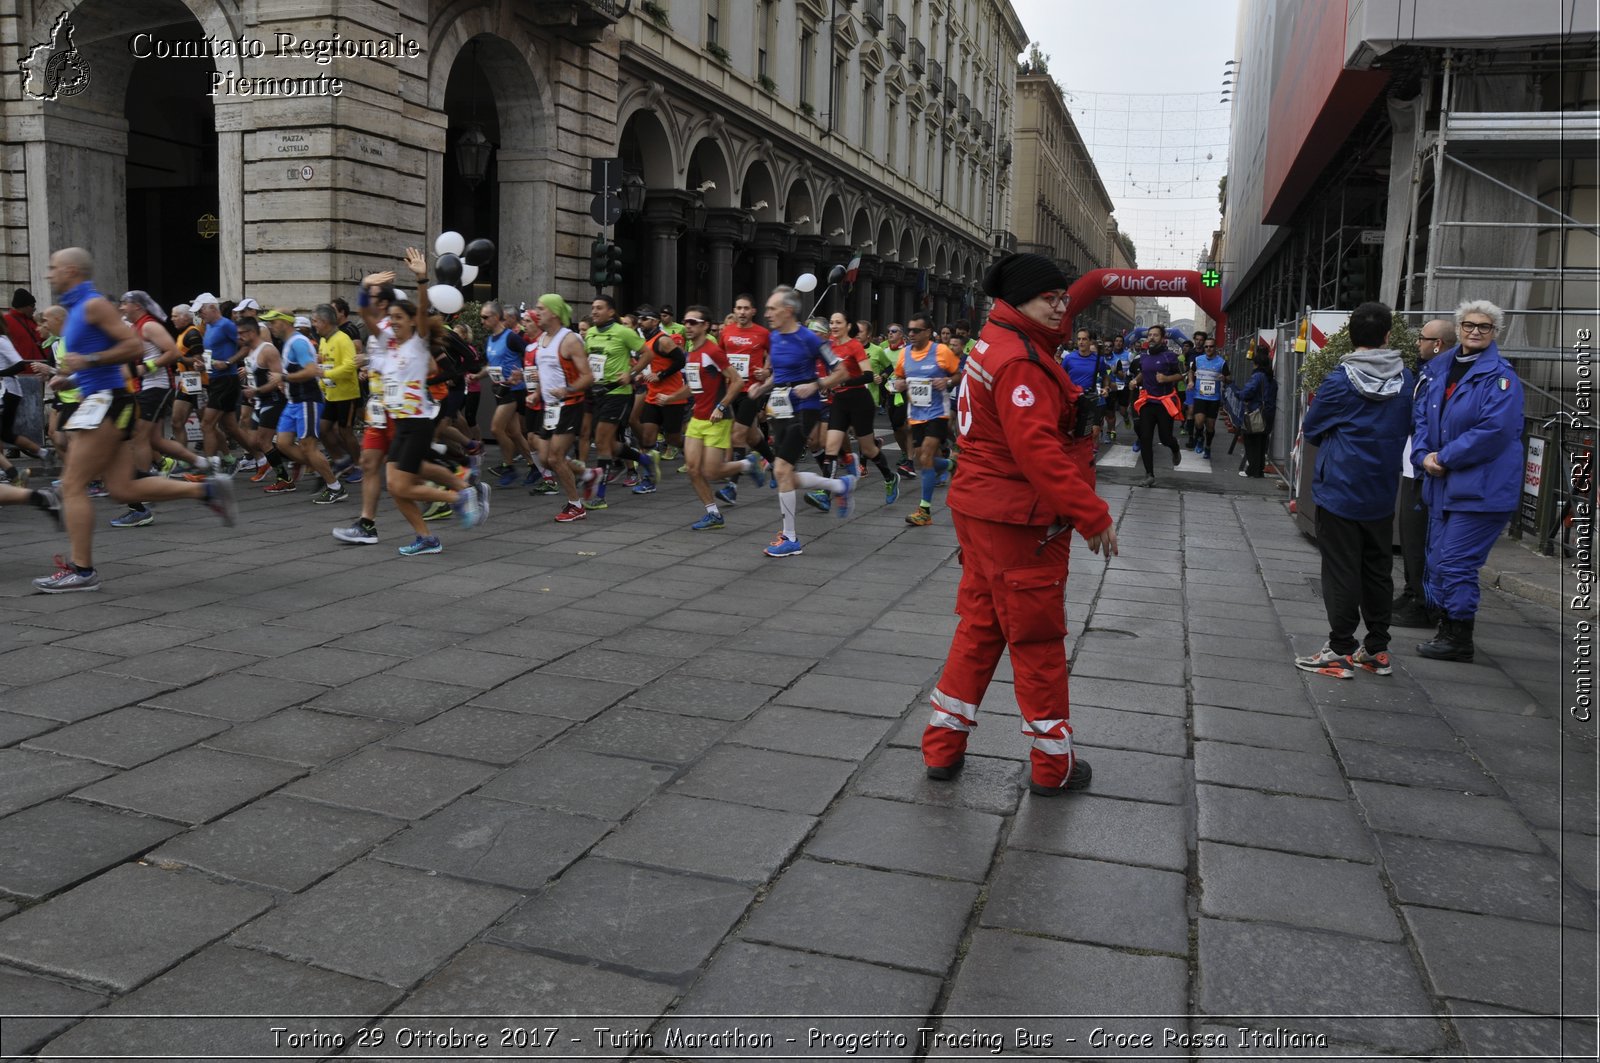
354, 475
330, 494
498, 470
1177, 457
507, 479
534, 476
166, 466
66, 579
571, 512
261, 473
248, 465
1376, 663
483, 501
709, 522
728, 495
1148, 481
546, 486
422, 544
891, 490
818, 500
598, 503
783, 546
756, 466
670, 454
361, 531
646, 486
1136, 446
134, 518
1326, 662
683, 469
841, 508
906, 469
1111, 436
280, 487
588, 482
630, 479
8, 476
219, 499
294, 473
46, 454
612, 472
474, 447
920, 517
466, 507
49, 500
438, 511
98, 490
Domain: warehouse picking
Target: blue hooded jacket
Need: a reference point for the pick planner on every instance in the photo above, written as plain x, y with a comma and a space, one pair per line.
1477, 435
1359, 420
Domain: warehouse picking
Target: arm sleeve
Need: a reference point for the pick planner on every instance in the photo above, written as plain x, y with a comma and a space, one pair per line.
1498, 427
822, 349
1056, 475
676, 360
1329, 409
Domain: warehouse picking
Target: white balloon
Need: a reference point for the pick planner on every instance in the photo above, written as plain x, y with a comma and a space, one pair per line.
445, 298
399, 296
469, 273
451, 243
806, 283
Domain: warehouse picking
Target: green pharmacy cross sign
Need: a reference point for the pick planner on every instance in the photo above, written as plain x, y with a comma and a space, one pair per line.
1210, 278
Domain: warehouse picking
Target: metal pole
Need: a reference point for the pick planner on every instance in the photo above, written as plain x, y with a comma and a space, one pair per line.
1523, 195
1430, 286
1416, 189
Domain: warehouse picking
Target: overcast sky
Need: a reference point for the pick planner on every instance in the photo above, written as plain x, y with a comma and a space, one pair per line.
1144, 80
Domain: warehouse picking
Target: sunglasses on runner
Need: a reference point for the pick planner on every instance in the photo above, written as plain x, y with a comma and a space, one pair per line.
695, 321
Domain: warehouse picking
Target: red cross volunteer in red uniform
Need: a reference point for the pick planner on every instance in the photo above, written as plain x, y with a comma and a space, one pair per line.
1022, 486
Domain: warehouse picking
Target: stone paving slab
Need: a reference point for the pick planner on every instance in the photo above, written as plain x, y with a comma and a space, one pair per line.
238, 697
38, 1009
947, 842
1246, 728
985, 784
1275, 770
472, 733
717, 698
28, 777
1440, 814
78, 697
566, 697
782, 781
377, 922
1499, 961
569, 779
1324, 894
1090, 901
126, 738
393, 782
213, 983
1089, 825
715, 838
192, 785
84, 839
811, 732
1478, 879
85, 935
15, 728
497, 842
1307, 825
298, 736
863, 697
278, 842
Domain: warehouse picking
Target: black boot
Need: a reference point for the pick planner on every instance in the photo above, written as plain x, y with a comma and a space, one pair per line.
1452, 643
1409, 612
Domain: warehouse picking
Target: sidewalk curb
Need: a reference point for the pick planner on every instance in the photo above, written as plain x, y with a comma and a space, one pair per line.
1523, 587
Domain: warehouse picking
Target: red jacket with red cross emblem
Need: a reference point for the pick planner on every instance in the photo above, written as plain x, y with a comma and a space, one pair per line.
1020, 463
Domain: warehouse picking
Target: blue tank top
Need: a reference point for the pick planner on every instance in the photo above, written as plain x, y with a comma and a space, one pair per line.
222, 340
927, 402
84, 338
793, 360
502, 357
1208, 376
1082, 369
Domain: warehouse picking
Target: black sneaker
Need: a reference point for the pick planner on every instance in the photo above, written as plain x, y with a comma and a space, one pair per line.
948, 771
1078, 780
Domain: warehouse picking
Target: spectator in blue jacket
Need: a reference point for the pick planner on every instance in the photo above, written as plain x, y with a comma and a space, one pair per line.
1359, 419
1467, 439
1260, 392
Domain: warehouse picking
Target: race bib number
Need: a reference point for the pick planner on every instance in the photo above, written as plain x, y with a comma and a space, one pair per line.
376, 416
189, 383
192, 430
741, 364
780, 404
495, 375
1208, 389
392, 392
921, 392
90, 412
1120, 385
552, 417
691, 373
597, 366
206, 360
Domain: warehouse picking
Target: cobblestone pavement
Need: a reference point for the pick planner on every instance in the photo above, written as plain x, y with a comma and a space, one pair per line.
624, 775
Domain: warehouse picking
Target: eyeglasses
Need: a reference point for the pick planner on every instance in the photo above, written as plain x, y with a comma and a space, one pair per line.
914, 328
894, 332
1477, 326
1055, 299
1430, 339
695, 321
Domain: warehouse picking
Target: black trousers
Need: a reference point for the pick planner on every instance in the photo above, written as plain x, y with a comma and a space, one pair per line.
1357, 579
1153, 418
1412, 521
1255, 453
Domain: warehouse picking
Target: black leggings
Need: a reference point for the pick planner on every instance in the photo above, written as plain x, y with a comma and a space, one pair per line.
9, 404
1255, 455
1153, 418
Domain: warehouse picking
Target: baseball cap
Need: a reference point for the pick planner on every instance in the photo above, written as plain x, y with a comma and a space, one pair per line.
646, 311
203, 299
248, 304
301, 321
276, 315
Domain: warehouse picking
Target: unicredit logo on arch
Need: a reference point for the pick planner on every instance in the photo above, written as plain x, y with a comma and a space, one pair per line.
1128, 282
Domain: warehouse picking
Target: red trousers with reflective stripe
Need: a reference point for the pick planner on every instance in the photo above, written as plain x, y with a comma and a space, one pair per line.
1012, 594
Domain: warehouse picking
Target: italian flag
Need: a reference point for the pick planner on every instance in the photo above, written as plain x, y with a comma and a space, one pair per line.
854, 268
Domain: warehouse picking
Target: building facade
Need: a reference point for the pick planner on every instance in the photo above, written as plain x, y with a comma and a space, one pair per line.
257, 149
1062, 208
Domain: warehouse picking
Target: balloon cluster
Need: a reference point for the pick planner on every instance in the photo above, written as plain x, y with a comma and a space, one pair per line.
457, 265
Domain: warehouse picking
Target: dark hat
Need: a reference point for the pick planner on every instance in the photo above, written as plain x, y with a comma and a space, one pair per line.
647, 311
1018, 278
21, 298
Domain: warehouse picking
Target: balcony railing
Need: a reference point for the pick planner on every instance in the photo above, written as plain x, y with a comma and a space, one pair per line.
988, 132
897, 34
950, 90
919, 56
872, 11
935, 76
964, 108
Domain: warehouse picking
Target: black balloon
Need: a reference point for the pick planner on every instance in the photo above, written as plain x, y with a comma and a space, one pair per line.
835, 275
447, 268
479, 252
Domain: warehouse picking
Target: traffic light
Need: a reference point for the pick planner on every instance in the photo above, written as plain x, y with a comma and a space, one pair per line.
613, 265
599, 260
1355, 282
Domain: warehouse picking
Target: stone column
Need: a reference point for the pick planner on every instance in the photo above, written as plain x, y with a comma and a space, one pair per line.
771, 241
889, 294
941, 302
724, 228
664, 215
838, 255
864, 306
808, 258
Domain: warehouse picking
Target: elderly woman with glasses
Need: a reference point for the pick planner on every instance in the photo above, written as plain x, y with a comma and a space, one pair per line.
1467, 440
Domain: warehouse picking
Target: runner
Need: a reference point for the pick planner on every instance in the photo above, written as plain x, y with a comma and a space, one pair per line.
794, 405
852, 406
716, 385
1087, 370
266, 389
412, 408
746, 344
341, 389
564, 379
666, 398
13, 366
610, 347
894, 403
297, 427
221, 357
503, 353
378, 434
926, 372
1157, 405
156, 391
189, 375
99, 345
1208, 372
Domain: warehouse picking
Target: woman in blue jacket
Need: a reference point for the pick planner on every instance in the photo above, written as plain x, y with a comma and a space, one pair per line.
1260, 392
1468, 442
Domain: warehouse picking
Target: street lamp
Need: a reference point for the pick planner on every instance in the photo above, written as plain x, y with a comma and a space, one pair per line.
632, 193
472, 155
